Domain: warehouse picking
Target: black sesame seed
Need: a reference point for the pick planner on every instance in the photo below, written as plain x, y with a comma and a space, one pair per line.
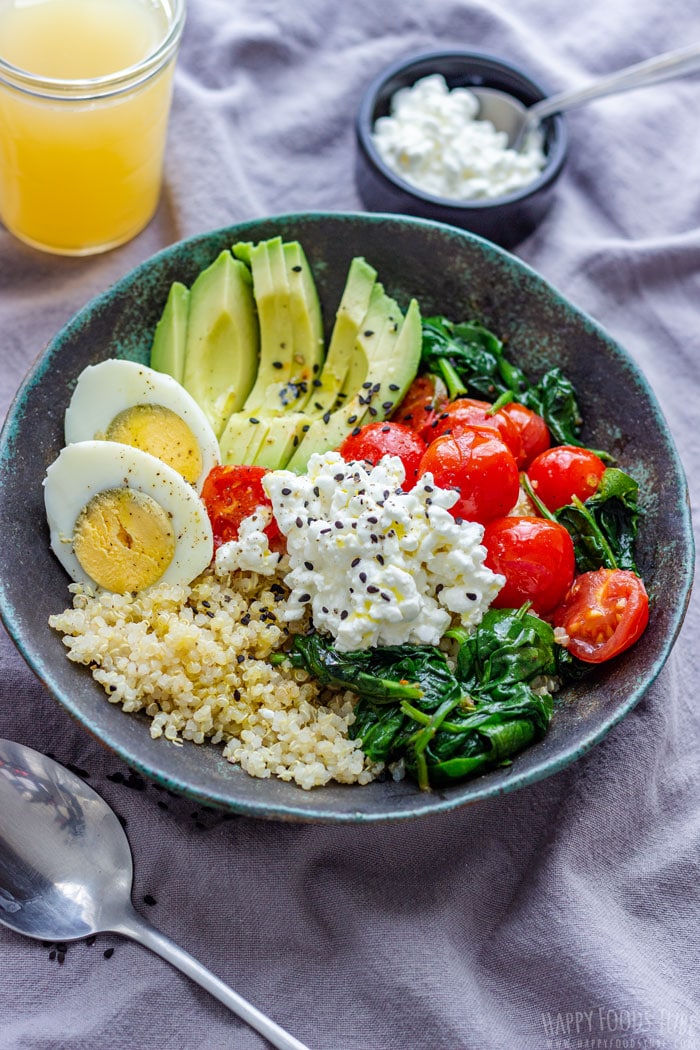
380, 559
344, 614
339, 477
386, 430
394, 386
253, 420
385, 596
286, 492
387, 406
368, 333
363, 577
277, 364
352, 419
309, 565
338, 524
317, 383
354, 563
372, 410
149, 900
471, 596
108, 953
305, 597
356, 431
326, 417
240, 658
296, 269
372, 520
236, 694
299, 523
372, 589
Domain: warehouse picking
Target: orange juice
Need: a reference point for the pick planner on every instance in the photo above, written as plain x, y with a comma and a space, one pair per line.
85, 90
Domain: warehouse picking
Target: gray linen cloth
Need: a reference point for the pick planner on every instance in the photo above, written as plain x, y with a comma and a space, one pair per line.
564, 915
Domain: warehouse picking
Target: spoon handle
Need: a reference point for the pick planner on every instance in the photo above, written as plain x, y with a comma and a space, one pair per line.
135, 927
651, 71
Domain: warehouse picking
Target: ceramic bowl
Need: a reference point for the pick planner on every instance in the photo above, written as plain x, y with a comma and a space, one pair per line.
506, 220
448, 271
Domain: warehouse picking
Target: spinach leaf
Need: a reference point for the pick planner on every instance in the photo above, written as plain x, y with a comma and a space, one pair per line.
508, 647
445, 725
604, 528
471, 353
554, 398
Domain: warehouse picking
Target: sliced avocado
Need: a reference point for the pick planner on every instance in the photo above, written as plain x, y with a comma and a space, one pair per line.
291, 327
307, 321
283, 436
170, 336
353, 308
392, 366
271, 292
241, 438
221, 354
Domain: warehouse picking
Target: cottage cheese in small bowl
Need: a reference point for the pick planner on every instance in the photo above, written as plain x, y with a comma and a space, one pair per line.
433, 139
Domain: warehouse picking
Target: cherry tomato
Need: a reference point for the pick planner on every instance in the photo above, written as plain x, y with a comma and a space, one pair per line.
466, 411
375, 440
534, 433
425, 399
536, 556
604, 613
232, 493
564, 471
480, 466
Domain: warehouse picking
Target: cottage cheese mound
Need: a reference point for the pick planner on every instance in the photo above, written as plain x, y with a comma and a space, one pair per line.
377, 565
251, 551
433, 140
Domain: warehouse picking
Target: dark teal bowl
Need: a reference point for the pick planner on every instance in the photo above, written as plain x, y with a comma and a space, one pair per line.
448, 271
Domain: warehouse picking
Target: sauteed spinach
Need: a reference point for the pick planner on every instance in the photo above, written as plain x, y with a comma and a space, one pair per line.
447, 724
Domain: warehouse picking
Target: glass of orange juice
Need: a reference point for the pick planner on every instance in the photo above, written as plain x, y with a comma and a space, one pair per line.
85, 88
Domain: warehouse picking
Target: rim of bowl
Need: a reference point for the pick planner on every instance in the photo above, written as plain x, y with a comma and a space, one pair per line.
556, 153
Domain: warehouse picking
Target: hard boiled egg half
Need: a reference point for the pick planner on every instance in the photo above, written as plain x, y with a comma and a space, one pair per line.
127, 402
122, 520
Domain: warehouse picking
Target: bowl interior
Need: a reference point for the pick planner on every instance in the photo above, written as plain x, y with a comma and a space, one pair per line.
451, 272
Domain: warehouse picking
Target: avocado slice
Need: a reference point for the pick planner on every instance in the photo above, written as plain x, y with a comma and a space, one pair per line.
221, 353
170, 337
352, 311
283, 436
241, 439
291, 327
393, 355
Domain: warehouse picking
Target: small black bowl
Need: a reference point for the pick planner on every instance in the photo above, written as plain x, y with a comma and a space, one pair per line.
505, 220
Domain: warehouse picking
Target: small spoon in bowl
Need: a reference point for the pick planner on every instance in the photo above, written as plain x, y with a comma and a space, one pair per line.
508, 114
66, 872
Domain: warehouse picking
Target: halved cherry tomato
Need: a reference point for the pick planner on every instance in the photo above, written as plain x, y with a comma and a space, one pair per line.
534, 433
536, 556
480, 466
232, 493
425, 399
466, 411
564, 471
375, 440
604, 613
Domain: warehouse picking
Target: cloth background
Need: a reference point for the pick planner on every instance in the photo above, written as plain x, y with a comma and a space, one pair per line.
565, 911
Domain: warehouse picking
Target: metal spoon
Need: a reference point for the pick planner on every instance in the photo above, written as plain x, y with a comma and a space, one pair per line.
510, 115
66, 872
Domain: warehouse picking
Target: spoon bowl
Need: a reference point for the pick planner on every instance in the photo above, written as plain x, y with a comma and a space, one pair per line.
508, 114
66, 872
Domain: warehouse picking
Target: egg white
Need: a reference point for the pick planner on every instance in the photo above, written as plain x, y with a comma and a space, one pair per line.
106, 389
85, 468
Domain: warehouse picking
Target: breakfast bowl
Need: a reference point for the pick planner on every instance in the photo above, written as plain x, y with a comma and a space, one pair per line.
466, 277
389, 181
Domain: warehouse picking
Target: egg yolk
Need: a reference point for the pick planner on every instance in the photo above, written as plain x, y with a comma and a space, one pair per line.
124, 540
158, 430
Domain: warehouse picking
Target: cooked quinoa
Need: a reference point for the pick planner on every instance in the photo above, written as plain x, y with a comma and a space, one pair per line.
196, 661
